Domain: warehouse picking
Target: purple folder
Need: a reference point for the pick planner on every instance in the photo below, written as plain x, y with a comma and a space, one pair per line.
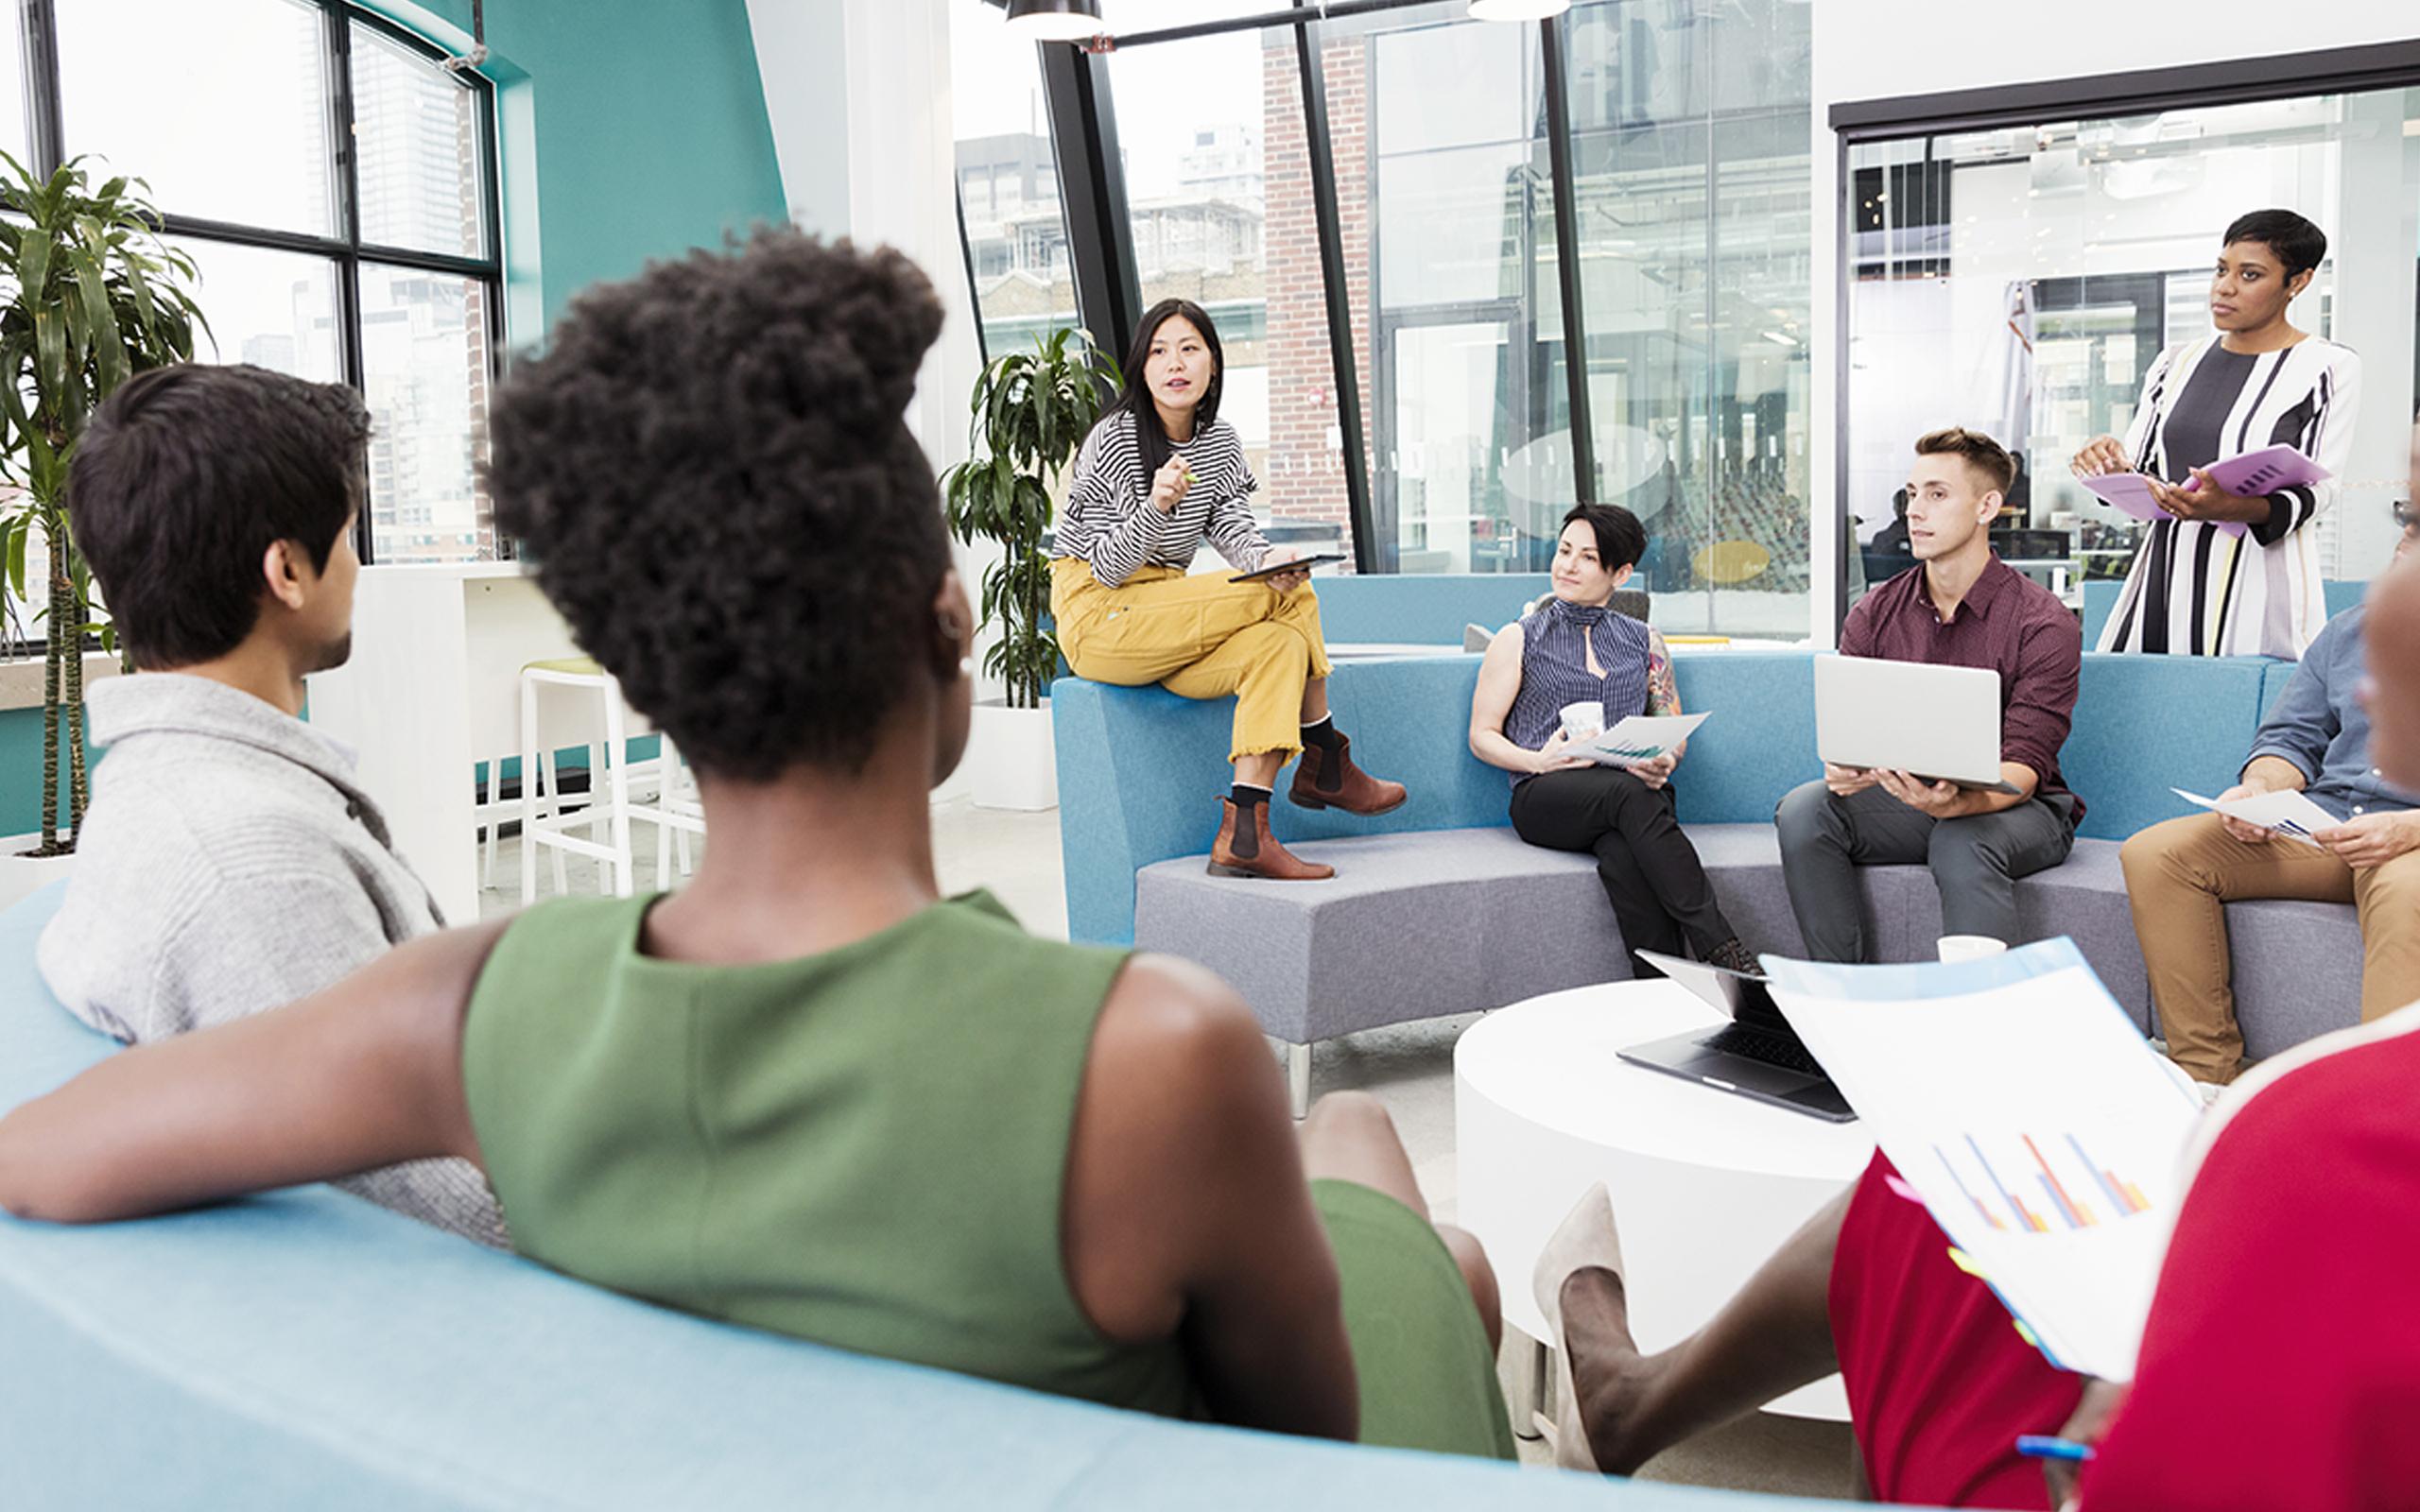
2262, 471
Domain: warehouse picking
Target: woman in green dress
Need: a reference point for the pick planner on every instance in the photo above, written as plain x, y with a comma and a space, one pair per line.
806, 1094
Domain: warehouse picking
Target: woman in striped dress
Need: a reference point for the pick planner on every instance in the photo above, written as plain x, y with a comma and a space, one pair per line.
1159, 476
2198, 589
1573, 649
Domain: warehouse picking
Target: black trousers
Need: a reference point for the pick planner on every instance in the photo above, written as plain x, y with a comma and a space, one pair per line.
1652, 874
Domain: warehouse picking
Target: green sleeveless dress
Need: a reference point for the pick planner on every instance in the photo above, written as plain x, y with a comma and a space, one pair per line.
868, 1148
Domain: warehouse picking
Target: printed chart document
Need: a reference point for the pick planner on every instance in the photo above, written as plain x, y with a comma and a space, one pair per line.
2029, 1114
1642, 738
2265, 470
2288, 813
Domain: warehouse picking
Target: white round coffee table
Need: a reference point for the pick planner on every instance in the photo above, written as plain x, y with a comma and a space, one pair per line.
1704, 1185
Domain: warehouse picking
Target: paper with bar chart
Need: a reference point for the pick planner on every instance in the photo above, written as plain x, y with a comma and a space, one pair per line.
2029, 1114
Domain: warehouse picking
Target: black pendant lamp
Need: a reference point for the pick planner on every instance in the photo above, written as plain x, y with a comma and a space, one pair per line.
1055, 20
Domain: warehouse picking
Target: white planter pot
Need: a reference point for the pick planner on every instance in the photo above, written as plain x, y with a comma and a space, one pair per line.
22, 876
1013, 763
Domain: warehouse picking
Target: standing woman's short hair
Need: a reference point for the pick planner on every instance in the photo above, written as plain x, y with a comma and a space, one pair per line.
1151, 436
2299, 244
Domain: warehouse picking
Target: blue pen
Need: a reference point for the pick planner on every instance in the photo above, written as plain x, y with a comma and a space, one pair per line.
2049, 1446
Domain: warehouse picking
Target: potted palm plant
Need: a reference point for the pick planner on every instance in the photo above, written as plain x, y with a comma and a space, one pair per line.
92, 296
1032, 412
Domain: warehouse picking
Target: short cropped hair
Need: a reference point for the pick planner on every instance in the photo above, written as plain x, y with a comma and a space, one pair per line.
183, 480
711, 466
2299, 244
1988, 457
1620, 539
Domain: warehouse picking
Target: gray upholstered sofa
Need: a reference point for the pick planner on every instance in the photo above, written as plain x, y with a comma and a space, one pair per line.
1438, 909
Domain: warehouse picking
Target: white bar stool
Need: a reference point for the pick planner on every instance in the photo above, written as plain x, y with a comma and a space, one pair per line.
546, 819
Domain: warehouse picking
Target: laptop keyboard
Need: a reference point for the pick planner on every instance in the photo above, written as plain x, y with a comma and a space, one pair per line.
1769, 1049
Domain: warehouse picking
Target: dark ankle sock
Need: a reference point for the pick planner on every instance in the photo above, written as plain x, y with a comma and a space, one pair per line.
1324, 735
1244, 794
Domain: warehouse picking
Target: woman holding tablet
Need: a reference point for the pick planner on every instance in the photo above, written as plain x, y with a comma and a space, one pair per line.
1160, 475
2224, 574
1574, 650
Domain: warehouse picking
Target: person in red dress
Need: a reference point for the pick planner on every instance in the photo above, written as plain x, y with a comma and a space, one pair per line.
2280, 1367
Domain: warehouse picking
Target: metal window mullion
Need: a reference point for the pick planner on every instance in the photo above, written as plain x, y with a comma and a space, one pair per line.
1373, 551
1092, 193
1567, 256
347, 256
966, 255
45, 118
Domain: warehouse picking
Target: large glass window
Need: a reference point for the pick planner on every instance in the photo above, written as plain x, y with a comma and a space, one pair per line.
1218, 196
2022, 281
1442, 165
1691, 154
387, 275
222, 109
1692, 175
1008, 184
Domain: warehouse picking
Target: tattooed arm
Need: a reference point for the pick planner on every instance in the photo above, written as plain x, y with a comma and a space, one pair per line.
1663, 688
1662, 697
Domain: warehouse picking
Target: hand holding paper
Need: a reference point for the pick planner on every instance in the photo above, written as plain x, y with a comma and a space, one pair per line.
2031, 1117
2284, 812
1643, 738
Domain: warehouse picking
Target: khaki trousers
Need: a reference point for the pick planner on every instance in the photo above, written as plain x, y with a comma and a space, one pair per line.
1199, 637
2180, 876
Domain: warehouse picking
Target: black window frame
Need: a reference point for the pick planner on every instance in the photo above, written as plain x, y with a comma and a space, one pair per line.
346, 251
1092, 198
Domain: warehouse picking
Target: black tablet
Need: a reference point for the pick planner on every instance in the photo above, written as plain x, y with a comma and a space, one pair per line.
1298, 565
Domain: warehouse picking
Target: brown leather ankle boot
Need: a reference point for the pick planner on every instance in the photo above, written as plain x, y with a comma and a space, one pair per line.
1246, 848
1324, 781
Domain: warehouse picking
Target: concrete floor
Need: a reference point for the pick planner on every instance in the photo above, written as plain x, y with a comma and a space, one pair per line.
1409, 1067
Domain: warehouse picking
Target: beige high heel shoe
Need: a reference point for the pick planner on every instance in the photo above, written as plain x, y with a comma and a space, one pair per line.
1585, 1238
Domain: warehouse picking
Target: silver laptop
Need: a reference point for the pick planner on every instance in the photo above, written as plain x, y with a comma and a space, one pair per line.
1941, 724
1756, 1056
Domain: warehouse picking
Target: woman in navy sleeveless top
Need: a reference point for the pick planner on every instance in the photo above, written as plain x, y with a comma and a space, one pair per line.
1575, 649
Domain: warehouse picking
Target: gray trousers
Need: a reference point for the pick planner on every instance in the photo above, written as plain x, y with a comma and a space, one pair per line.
1974, 861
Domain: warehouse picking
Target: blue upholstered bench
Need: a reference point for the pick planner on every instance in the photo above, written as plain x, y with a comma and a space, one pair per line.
307, 1350
1438, 909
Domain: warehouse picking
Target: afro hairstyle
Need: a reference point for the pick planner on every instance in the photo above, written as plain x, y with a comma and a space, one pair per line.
711, 469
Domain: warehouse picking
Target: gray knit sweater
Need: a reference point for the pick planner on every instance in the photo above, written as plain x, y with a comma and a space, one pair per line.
228, 864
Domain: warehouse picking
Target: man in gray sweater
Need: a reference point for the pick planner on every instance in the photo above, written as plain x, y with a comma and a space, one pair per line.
228, 863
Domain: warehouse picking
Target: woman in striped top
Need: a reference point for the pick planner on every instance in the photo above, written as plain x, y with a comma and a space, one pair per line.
2196, 587
1573, 649
1160, 475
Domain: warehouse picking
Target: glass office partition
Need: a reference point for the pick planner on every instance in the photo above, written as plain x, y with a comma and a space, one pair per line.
2022, 279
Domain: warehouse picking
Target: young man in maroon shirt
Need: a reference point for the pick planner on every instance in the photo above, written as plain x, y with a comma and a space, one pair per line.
1958, 606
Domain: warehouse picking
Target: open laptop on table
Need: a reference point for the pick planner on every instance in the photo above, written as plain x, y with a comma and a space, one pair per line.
1757, 1055
1939, 723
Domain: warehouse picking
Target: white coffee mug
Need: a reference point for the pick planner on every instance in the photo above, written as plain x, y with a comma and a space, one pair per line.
1970, 947
1584, 721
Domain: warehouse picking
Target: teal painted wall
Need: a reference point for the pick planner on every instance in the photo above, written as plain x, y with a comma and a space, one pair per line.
631, 129
21, 771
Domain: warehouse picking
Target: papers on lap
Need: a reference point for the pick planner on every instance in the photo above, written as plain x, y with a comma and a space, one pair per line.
2288, 812
2029, 1115
1642, 738
2265, 470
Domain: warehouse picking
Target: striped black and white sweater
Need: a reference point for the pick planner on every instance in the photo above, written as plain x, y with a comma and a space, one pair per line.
1109, 520
2195, 590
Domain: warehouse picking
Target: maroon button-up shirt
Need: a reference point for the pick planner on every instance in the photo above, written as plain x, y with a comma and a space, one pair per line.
2008, 622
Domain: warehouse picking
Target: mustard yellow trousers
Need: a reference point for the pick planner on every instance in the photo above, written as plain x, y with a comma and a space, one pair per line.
1199, 637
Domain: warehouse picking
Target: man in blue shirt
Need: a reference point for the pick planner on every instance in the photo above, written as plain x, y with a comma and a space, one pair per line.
2179, 875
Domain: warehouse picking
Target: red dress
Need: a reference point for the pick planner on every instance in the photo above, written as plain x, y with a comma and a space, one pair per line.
2280, 1367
